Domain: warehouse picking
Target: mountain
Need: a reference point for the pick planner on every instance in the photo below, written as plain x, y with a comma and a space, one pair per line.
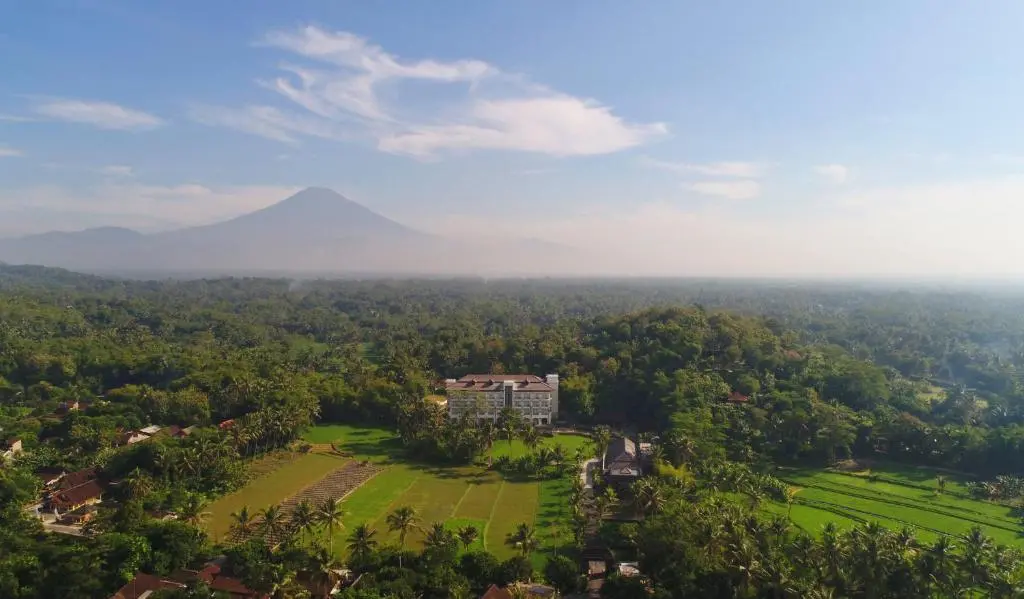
315, 230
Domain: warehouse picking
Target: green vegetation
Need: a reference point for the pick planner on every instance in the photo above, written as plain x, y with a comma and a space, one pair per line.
895, 498
269, 489
729, 381
454, 495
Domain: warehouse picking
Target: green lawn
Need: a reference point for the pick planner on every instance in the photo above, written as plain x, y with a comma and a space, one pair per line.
455, 496
269, 488
897, 497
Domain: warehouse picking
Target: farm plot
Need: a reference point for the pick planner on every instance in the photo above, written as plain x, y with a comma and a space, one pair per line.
270, 488
895, 500
455, 496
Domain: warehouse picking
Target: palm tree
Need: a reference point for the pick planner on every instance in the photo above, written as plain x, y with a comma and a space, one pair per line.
330, 515
974, 558
361, 542
531, 437
192, 510
402, 520
242, 524
304, 518
467, 534
487, 435
510, 428
437, 537
940, 484
790, 500
602, 437
523, 538
138, 483
272, 523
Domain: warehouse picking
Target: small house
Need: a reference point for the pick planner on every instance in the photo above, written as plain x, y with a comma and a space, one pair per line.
622, 462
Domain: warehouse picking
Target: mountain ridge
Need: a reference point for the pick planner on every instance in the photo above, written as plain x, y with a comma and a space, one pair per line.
315, 229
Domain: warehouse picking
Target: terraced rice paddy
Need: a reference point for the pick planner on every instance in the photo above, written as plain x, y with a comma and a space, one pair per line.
896, 498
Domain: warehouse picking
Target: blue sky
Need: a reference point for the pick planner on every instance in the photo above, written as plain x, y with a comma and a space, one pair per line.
793, 137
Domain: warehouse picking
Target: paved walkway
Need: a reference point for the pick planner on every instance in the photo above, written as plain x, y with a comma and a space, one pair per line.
587, 473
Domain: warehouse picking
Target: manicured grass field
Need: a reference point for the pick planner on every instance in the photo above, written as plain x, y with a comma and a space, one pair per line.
897, 497
455, 496
289, 477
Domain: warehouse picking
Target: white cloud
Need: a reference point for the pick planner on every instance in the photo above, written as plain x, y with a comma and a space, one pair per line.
117, 170
130, 204
104, 115
743, 170
732, 190
6, 152
482, 108
556, 125
835, 173
13, 118
266, 121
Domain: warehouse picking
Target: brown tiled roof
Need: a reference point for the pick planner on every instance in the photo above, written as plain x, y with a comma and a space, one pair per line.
77, 495
143, 583
45, 475
738, 397
493, 382
78, 478
496, 592
233, 587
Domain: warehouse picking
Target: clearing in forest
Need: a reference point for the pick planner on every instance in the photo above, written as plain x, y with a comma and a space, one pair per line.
287, 479
896, 497
456, 496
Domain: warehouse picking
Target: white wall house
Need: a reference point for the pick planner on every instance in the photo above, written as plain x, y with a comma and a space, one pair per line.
486, 395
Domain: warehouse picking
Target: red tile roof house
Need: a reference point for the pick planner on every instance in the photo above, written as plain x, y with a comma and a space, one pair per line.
210, 575
143, 585
74, 491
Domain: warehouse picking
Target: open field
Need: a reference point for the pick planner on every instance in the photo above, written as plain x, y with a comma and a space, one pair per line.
269, 487
896, 497
456, 496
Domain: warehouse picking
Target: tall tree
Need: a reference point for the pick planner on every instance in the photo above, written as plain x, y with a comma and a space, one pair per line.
330, 515
403, 520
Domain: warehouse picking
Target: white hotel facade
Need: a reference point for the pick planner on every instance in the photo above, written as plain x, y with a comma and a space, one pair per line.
486, 395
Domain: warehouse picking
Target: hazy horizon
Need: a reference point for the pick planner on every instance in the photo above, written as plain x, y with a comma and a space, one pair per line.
728, 140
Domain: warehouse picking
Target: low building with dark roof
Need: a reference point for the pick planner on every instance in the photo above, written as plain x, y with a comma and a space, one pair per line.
622, 462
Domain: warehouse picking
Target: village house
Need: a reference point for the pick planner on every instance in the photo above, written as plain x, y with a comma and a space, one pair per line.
143, 584
622, 463
74, 491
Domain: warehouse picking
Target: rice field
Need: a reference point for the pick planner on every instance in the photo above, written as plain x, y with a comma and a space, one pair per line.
455, 496
896, 497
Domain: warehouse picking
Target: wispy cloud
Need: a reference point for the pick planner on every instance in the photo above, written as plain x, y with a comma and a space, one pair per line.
743, 170
266, 121
730, 190
6, 152
13, 118
104, 115
117, 170
336, 96
836, 173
